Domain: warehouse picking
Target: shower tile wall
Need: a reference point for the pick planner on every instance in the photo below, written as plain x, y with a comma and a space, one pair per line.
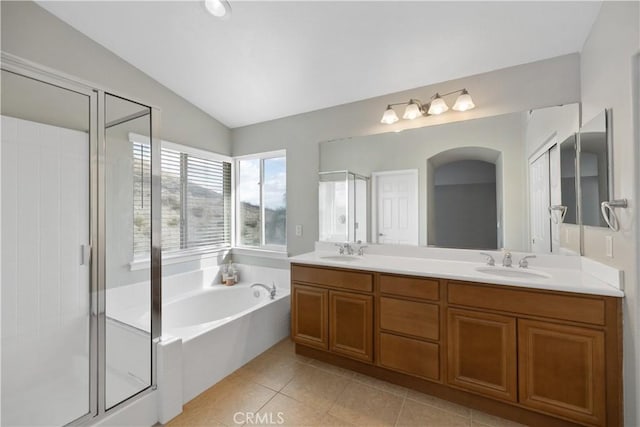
45, 289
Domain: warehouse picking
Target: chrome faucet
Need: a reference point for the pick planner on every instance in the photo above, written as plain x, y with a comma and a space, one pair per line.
361, 250
345, 247
523, 263
271, 290
490, 260
507, 261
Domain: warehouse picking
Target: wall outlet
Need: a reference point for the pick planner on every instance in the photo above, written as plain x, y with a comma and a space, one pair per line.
609, 246
299, 230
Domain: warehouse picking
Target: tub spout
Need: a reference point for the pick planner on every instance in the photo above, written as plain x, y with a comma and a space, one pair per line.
271, 290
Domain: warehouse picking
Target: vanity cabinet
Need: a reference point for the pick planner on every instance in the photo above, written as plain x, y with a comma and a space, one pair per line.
332, 310
536, 356
482, 353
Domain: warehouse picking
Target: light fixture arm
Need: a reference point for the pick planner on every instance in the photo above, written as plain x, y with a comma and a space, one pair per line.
448, 93
397, 103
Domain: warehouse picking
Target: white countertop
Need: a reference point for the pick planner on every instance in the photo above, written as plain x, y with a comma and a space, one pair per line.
556, 279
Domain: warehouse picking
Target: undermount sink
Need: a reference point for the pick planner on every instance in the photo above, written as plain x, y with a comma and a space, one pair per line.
345, 258
519, 273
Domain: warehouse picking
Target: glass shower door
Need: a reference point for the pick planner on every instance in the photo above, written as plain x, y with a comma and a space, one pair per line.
128, 230
46, 268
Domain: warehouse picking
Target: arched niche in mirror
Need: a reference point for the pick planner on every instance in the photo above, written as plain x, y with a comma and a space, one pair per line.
464, 206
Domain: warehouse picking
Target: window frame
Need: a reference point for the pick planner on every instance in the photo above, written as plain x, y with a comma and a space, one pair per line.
190, 254
277, 249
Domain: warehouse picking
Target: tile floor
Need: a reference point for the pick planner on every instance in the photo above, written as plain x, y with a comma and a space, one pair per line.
282, 388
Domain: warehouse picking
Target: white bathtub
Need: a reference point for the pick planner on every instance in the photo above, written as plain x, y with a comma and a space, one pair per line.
221, 328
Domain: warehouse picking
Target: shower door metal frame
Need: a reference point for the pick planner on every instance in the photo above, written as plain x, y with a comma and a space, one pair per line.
97, 226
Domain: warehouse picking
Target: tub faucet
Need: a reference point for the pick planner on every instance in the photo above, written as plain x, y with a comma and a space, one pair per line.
271, 290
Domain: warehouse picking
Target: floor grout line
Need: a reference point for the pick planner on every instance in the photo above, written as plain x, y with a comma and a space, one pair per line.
400, 411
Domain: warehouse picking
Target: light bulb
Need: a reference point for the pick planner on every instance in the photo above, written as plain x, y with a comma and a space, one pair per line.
389, 117
412, 111
218, 8
464, 102
438, 106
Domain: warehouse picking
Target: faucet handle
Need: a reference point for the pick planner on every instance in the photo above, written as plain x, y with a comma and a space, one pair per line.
523, 263
341, 248
490, 260
361, 250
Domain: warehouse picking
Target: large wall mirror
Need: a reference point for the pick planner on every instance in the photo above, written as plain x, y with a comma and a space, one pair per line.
486, 183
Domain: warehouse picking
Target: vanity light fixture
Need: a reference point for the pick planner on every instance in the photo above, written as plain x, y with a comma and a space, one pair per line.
389, 117
218, 8
436, 105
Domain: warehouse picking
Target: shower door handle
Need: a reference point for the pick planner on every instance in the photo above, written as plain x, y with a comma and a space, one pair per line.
85, 254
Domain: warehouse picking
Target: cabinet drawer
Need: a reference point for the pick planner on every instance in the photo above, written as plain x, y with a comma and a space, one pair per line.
333, 278
408, 317
563, 307
410, 356
410, 287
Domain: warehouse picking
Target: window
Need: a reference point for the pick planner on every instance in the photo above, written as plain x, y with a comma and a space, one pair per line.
262, 201
196, 199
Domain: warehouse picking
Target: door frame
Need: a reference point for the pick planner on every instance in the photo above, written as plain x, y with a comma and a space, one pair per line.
374, 198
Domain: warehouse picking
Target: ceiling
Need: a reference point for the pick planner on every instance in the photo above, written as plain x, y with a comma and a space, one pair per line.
276, 59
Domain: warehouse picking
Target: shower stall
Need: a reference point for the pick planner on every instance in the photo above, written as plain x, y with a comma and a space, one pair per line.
343, 207
79, 202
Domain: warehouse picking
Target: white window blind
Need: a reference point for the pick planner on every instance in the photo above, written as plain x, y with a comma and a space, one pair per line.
196, 201
171, 200
141, 199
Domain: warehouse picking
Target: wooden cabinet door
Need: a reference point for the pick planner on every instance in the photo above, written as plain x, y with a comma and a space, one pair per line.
351, 325
482, 353
309, 316
562, 370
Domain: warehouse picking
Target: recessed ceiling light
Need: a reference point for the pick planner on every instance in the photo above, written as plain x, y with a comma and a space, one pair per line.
218, 8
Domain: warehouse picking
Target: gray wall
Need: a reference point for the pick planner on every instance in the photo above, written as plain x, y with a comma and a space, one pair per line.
34, 34
540, 84
466, 216
556, 122
466, 205
607, 81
